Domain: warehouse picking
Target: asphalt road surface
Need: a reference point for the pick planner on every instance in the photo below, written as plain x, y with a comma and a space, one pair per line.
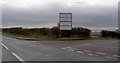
21, 50
7, 56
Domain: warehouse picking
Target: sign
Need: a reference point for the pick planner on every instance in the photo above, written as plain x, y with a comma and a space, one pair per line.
65, 21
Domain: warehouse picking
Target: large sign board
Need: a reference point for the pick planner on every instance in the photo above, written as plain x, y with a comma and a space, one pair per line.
65, 21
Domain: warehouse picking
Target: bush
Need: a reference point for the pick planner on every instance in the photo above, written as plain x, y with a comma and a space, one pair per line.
112, 34
54, 31
81, 32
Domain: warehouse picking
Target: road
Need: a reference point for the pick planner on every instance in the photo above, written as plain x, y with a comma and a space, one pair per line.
7, 56
21, 50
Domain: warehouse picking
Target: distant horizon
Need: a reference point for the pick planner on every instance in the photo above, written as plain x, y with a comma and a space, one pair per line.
95, 15
92, 29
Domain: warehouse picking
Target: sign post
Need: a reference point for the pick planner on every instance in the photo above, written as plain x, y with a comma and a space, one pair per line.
65, 24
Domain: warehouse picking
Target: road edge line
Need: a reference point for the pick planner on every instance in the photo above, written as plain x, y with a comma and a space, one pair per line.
15, 55
4, 46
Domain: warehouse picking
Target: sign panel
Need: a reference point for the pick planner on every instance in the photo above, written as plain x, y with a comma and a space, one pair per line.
65, 27
65, 21
66, 15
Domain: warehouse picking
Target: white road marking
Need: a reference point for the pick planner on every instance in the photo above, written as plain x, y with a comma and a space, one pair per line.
89, 51
71, 50
116, 56
79, 52
17, 57
100, 53
4, 46
109, 57
69, 47
86, 44
91, 54
63, 48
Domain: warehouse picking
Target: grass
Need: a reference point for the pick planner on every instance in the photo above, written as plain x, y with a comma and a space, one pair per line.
36, 36
43, 37
70, 38
100, 38
0, 33
46, 37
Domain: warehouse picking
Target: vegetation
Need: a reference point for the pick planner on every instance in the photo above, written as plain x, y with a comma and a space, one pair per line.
100, 38
111, 34
47, 33
54, 33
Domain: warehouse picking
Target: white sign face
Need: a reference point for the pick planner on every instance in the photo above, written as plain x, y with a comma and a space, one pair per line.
65, 15
65, 20
65, 27
65, 23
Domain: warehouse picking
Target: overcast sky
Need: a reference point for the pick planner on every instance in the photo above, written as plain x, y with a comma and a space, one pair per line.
91, 14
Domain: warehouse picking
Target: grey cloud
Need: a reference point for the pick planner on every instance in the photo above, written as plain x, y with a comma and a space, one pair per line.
83, 15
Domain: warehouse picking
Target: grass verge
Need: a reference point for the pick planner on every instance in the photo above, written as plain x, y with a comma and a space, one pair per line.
46, 37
